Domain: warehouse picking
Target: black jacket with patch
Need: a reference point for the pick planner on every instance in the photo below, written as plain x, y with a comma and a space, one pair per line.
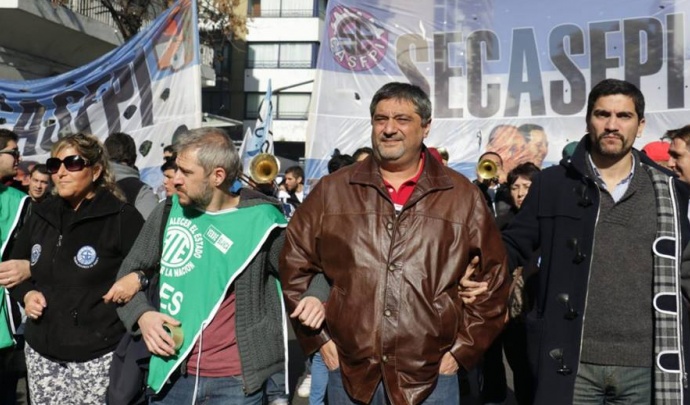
75, 256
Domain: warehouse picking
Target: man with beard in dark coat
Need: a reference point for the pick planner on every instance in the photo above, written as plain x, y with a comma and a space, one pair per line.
611, 225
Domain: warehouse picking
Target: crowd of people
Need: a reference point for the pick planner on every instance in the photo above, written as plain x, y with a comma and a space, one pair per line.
402, 279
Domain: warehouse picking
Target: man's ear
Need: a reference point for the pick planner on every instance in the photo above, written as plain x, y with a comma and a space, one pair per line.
218, 176
427, 129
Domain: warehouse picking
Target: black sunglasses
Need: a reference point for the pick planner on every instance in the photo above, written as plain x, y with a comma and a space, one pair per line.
73, 163
14, 152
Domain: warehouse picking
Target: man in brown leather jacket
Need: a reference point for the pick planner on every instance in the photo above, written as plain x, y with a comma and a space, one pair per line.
393, 235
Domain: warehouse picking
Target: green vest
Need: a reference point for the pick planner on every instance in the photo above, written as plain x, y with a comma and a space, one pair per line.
202, 256
11, 201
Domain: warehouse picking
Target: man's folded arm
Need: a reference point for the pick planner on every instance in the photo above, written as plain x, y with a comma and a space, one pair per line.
484, 319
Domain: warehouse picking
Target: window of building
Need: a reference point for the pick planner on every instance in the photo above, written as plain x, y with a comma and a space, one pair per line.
286, 106
282, 8
282, 55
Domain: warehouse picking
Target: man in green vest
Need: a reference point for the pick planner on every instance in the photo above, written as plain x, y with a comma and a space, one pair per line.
12, 272
218, 332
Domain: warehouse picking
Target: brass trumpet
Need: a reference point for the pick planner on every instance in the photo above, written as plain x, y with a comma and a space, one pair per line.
487, 169
264, 168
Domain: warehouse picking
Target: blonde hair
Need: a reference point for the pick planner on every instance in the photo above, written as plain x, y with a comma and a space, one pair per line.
90, 148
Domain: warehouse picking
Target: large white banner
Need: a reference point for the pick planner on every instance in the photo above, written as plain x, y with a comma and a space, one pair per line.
502, 75
149, 88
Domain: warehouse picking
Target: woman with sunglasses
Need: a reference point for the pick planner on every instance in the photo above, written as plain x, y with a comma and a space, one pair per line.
75, 245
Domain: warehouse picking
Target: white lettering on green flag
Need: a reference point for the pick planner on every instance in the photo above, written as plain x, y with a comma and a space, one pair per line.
202, 256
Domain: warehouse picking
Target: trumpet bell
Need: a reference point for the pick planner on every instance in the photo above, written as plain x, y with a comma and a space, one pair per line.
263, 168
487, 169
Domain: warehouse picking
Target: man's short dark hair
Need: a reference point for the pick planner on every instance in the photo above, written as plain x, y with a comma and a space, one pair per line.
6, 136
361, 151
527, 170
612, 87
41, 168
338, 162
296, 171
526, 129
682, 133
169, 165
121, 148
404, 91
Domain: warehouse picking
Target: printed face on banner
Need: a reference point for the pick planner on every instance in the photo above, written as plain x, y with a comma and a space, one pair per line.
614, 126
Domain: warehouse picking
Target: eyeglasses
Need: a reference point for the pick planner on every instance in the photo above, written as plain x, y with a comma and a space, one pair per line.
14, 152
73, 163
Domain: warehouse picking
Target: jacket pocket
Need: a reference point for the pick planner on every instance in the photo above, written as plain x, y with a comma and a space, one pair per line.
448, 321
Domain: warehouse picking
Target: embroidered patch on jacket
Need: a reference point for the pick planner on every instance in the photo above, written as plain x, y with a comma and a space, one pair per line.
86, 257
35, 253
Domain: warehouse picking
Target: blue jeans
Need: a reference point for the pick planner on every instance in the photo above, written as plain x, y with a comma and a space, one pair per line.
319, 380
447, 391
211, 390
275, 387
596, 384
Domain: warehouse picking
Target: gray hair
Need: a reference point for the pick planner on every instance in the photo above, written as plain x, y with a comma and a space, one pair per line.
214, 150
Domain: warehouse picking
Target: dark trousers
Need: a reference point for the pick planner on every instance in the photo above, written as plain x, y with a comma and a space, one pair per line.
12, 368
596, 384
513, 340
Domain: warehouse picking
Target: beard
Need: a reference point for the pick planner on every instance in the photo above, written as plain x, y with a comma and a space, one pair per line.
611, 151
201, 200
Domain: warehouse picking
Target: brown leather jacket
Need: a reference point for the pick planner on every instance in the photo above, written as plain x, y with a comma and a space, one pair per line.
394, 308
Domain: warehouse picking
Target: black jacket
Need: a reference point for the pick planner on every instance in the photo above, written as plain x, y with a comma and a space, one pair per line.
500, 203
559, 216
74, 264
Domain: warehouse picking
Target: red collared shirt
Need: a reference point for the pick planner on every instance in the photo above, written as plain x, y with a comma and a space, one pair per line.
402, 194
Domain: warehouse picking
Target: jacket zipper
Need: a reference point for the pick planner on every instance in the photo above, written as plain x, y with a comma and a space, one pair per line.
679, 303
57, 248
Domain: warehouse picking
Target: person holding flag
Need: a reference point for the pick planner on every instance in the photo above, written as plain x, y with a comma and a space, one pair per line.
219, 331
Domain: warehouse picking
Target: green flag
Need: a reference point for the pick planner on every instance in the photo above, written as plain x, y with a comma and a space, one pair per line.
11, 201
202, 256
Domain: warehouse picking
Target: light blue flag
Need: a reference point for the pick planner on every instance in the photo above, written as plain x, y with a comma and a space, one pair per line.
260, 140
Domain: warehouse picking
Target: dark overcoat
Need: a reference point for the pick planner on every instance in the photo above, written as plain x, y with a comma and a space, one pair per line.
559, 217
